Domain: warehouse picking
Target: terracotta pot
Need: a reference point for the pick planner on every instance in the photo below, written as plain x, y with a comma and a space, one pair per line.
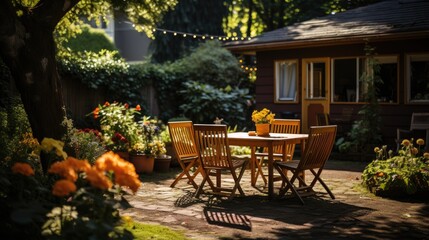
142, 163
162, 163
262, 129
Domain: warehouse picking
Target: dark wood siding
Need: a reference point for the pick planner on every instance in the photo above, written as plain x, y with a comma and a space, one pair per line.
393, 115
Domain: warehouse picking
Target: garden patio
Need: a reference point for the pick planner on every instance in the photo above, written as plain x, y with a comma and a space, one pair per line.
354, 214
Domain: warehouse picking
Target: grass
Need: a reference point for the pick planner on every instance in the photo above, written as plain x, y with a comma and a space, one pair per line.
151, 231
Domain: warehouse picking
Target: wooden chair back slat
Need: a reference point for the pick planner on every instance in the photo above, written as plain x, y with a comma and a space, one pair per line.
182, 138
213, 145
318, 147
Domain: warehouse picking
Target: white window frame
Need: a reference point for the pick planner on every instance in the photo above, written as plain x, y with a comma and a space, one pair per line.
290, 81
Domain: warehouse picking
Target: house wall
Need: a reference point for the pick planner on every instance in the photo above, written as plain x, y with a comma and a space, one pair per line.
395, 115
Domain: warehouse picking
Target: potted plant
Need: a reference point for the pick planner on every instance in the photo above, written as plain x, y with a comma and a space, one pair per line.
262, 120
147, 146
118, 126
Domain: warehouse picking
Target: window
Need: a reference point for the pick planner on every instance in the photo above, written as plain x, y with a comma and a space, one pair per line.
418, 78
286, 80
316, 80
347, 73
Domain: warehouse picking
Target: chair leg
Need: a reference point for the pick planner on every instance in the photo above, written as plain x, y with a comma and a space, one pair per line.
259, 171
237, 180
185, 171
288, 183
317, 177
203, 182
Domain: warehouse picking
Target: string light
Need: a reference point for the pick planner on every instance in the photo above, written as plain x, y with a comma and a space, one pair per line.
200, 36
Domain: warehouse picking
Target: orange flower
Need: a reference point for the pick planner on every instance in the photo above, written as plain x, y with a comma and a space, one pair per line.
96, 112
63, 169
125, 173
414, 151
380, 174
78, 165
107, 161
420, 142
106, 104
23, 168
63, 188
126, 105
98, 179
128, 180
138, 108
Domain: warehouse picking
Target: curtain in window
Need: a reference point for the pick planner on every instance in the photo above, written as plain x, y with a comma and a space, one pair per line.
287, 80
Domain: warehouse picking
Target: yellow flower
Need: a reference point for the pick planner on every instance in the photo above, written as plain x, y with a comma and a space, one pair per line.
63, 188
405, 142
23, 168
426, 155
49, 144
420, 142
263, 116
98, 179
63, 169
376, 149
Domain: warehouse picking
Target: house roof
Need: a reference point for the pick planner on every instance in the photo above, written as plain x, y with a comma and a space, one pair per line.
383, 20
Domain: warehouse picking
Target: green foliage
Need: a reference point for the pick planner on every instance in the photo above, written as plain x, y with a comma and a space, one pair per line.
365, 132
91, 40
203, 103
212, 74
13, 124
192, 16
105, 69
395, 176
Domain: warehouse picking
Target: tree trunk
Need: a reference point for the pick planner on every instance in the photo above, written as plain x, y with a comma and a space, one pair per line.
28, 49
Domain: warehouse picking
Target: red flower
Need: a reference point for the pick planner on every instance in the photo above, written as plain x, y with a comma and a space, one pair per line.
106, 104
126, 105
138, 108
96, 112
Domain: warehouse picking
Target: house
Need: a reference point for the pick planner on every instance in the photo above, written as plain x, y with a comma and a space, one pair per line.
314, 66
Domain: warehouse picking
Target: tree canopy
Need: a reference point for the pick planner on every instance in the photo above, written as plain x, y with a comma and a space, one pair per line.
28, 48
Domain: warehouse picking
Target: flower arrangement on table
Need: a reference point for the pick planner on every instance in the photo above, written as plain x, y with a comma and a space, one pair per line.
118, 125
404, 174
262, 120
263, 116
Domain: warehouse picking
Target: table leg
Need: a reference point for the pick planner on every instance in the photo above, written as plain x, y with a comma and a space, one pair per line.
252, 166
270, 170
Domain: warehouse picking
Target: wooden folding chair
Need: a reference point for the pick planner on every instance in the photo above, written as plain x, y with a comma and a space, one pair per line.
185, 148
318, 148
215, 157
277, 126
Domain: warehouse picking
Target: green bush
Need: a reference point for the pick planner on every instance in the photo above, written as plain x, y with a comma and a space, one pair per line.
396, 176
91, 39
105, 69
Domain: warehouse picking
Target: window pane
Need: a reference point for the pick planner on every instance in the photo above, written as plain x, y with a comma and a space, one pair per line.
316, 80
419, 78
286, 80
386, 79
345, 77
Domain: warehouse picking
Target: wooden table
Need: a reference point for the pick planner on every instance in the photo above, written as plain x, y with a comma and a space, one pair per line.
275, 139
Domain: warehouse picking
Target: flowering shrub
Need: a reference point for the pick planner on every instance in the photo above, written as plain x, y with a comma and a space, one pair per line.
83, 143
150, 142
74, 200
118, 125
404, 174
263, 116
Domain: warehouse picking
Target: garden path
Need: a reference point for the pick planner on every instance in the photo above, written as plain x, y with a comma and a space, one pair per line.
354, 214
